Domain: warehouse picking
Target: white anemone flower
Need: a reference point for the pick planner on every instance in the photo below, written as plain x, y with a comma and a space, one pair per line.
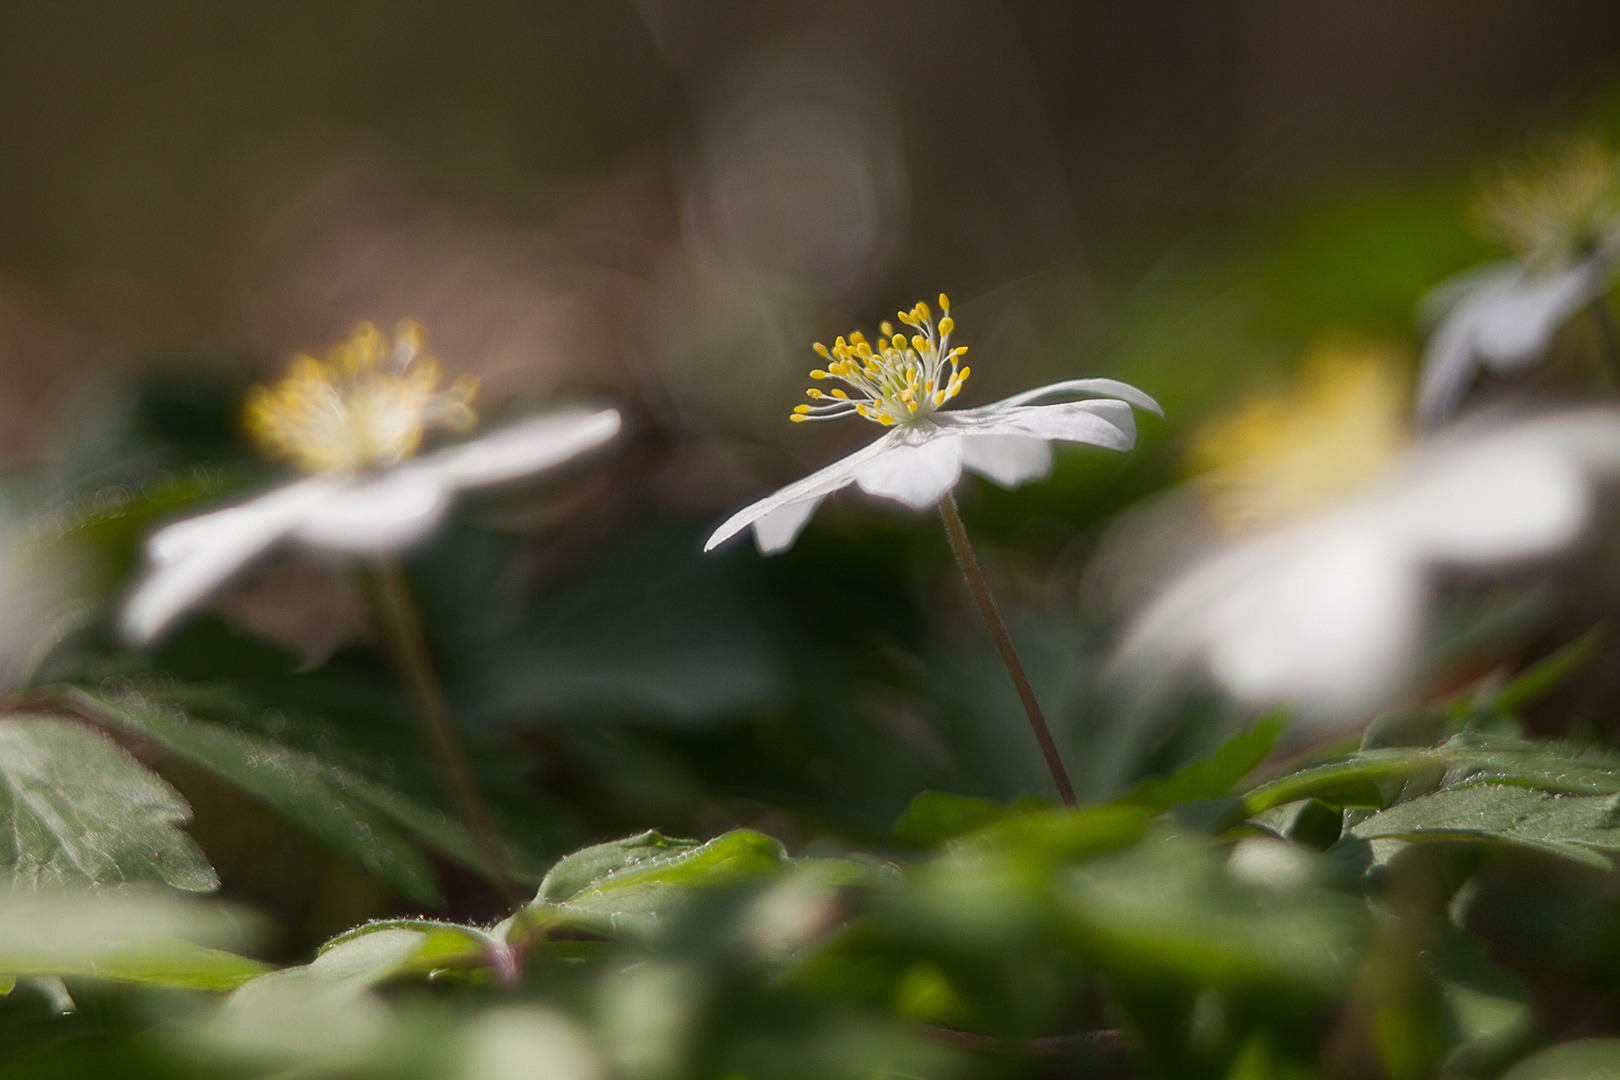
1326, 613
1561, 219
353, 421
903, 385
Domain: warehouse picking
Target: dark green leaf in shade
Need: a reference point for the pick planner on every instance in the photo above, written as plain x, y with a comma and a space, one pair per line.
1586, 1059
80, 811
316, 795
1214, 776
1540, 679
937, 816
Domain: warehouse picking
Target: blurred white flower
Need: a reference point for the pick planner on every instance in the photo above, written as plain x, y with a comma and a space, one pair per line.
1561, 218
1325, 613
353, 421
903, 385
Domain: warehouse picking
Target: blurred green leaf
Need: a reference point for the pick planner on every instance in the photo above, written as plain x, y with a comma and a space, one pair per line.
1585, 1059
80, 811
937, 816
1171, 909
1211, 777
126, 937
314, 794
1542, 678
1575, 826
443, 945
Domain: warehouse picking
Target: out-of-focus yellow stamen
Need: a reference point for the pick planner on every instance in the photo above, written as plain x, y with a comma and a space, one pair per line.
365, 406
1284, 454
1554, 207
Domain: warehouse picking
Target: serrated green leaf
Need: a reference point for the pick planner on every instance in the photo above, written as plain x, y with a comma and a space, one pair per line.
936, 816
80, 811
1575, 826
310, 792
621, 887
1213, 776
150, 939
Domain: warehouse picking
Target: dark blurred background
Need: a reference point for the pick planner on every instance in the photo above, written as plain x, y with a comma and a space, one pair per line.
607, 193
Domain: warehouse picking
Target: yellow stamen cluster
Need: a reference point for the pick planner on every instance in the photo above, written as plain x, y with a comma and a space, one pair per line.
365, 406
894, 380
1288, 453
1554, 208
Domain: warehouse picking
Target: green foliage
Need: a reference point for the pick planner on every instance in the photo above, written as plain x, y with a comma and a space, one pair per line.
80, 811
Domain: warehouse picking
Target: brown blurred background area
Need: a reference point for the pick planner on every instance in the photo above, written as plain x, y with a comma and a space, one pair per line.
669, 198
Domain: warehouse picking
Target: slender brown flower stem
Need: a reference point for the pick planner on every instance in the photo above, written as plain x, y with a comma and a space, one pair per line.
1009, 656
1603, 315
403, 628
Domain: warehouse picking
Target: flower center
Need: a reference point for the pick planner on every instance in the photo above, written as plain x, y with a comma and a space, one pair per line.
1556, 208
896, 381
1286, 454
365, 406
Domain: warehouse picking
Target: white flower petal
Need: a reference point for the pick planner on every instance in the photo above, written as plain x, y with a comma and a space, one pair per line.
813, 488
1106, 423
916, 469
191, 558
519, 450
1502, 316
388, 513
1111, 388
1007, 460
777, 530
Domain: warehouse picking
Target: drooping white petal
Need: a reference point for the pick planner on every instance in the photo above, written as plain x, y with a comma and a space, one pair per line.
813, 488
1106, 423
1007, 460
392, 511
519, 450
917, 469
191, 558
777, 530
1106, 388
1502, 316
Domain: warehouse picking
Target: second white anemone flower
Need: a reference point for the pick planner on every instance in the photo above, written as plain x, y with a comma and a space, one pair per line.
1560, 217
353, 422
904, 385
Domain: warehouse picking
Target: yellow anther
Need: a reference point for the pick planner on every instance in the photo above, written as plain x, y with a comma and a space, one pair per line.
924, 311
886, 328
864, 351
898, 341
961, 376
798, 418
944, 305
813, 392
918, 342
801, 409
821, 350
840, 395
947, 324
818, 374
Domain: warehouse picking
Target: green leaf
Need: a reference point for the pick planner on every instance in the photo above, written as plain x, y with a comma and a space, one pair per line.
1575, 826
127, 937
312, 793
80, 811
936, 816
1174, 910
1214, 776
1351, 782
1585, 1059
1548, 674
443, 945
621, 887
